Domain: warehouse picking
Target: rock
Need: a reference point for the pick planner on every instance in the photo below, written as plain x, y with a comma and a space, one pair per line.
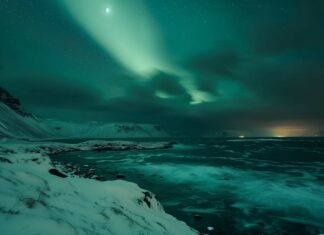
102, 148
13, 103
57, 173
88, 175
120, 176
225, 178
100, 178
5, 160
147, 197
197, 217
261, 224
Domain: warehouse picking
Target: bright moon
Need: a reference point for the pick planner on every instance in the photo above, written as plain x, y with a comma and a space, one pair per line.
107, 9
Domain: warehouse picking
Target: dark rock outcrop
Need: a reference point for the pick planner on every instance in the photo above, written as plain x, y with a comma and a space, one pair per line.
147, 197
120, 176
57, 173
13, 103
5, 160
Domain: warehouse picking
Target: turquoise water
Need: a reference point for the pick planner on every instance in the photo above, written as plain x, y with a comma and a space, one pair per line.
250, 186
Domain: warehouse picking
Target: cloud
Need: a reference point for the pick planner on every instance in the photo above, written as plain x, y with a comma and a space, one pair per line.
168, 84
299, 27
216, 63
210, 68
266, 65
293, 88
281, 88
54, 92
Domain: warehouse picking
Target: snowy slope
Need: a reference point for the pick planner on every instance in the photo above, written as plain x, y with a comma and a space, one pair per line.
14, 125
33, 201
15, 122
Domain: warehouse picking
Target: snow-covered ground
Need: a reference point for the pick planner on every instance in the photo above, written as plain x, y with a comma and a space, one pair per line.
34, 201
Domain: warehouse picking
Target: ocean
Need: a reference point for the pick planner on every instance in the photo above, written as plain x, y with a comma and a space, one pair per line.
227, 186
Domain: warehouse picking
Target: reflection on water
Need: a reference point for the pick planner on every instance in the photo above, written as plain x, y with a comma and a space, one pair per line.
236, 187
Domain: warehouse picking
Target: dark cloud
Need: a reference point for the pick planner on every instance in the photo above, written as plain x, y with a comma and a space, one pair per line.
169, 87
209, 68
293, 88
142, 99
216, 63
283, 88
168, 83
54, 92
299, 26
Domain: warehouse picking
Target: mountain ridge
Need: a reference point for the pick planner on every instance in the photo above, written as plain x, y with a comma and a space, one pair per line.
16, 122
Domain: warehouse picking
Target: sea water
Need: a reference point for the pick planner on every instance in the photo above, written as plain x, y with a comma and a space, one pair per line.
227, 186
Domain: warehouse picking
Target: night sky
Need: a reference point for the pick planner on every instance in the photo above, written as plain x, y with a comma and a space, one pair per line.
247, 67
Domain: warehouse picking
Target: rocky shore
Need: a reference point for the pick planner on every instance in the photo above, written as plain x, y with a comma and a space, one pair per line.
37, 197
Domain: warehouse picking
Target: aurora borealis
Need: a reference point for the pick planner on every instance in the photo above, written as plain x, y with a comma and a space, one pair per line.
248, 67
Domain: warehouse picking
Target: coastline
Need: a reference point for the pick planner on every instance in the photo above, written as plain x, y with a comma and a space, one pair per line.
34, 200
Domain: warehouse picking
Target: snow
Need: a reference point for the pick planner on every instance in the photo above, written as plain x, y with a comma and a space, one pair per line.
33, 201
15, 122
14, 125
104, 130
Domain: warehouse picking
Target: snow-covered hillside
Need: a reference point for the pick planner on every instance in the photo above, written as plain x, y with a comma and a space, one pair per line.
34, 201
37, 197
99, 130
15, 122
14, 125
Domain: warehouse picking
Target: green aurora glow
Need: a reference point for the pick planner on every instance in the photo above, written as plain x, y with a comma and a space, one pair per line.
243, 66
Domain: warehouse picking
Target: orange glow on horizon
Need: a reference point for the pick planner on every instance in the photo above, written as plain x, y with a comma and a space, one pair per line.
291, 131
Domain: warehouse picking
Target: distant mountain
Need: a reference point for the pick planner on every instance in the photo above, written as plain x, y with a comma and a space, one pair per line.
100, 130
15, 122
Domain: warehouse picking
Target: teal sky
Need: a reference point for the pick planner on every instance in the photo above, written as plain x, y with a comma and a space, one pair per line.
248, 67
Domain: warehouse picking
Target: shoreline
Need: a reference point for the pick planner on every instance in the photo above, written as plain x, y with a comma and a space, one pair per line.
37, 195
